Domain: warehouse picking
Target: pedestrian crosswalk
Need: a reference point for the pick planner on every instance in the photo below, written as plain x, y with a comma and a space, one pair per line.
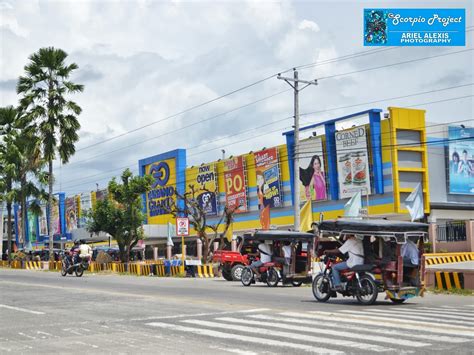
356, 330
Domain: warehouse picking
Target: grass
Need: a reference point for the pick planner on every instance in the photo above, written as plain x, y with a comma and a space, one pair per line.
453, 291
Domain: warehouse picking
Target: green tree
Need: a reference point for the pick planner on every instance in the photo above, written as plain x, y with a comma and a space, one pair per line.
197, 213
8, 158
48, 112
121, 215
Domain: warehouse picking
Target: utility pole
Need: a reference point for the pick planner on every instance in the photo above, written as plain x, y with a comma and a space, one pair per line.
293, 82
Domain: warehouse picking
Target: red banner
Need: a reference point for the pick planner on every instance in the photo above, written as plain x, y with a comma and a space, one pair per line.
235, 184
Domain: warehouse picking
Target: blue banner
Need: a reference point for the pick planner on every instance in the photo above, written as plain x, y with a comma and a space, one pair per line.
461, 160
414, 27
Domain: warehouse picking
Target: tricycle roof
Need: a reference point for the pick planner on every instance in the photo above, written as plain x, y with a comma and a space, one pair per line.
279, 235
371, 226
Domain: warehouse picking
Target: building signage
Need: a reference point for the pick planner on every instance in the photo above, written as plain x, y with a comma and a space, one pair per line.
235, 184
352, 161
461, 160
71, 214
267, 173
414, 27
162, 196
204, 181
312, 175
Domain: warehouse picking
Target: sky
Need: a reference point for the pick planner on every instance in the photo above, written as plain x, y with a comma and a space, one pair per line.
144, 62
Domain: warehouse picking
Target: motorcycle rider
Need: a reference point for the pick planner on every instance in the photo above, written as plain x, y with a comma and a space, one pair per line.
265, 253
85, 251
72, 258
354, 247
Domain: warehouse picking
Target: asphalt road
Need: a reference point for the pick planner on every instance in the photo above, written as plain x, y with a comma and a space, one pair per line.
42, 312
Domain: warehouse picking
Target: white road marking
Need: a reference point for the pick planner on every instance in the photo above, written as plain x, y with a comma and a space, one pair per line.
234, 351
255, 310
447, 310
385, 322
432, 314
244, 338
377, 312
20, 309
321, 330
250, 328
393, 333
27, 336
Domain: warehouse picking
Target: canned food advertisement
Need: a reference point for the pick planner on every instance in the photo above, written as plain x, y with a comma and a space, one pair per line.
352, 162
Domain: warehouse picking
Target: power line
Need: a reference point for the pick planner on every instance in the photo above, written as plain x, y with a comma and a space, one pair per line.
328, 61
243, 106
266, 133
383, 147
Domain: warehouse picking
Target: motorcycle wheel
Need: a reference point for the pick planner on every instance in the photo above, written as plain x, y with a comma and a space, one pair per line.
368, 292
272, 278
79, 271
247, 276
296, 283
64, 270
236, 272
321, 288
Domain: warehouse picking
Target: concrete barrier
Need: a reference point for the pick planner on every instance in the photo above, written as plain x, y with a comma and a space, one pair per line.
445, 258
33, 265
449, 280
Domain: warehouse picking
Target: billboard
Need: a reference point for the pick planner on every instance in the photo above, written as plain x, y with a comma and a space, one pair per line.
204, 180
235, 184
71, 214
55, 218
461, 160
32, 220
43, 221
267, 173
85, 205
312, 175
352, 161
161, 196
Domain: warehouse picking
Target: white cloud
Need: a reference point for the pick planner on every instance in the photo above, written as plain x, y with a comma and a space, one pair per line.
143, 60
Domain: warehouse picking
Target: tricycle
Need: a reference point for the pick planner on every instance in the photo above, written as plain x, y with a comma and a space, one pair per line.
393, 259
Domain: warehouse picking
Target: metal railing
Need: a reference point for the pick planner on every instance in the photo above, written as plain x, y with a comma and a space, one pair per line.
452, 232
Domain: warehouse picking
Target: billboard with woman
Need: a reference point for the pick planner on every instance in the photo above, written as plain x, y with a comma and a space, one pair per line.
312, 176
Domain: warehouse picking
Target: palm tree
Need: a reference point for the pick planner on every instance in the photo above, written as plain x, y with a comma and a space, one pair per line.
8, 159
48, 112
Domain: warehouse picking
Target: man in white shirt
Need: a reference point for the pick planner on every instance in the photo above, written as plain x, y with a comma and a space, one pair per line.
265, 257
287, 253
355, 249
410, 253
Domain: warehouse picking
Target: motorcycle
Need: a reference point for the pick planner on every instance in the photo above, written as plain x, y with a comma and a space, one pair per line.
69, 267
269, 274
356, 282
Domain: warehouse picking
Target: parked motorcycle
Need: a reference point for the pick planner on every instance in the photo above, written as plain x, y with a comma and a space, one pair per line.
356, 282
69, 267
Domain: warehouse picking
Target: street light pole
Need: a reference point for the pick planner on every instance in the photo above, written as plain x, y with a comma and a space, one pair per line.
293, 82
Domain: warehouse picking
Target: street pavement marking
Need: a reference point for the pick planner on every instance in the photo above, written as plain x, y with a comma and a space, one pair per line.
414, 312
392, 333
437, 312
243, 338
376, 312
449, 310
235, 351
384, 322
322, 330
20, 309
255, 310
250, 328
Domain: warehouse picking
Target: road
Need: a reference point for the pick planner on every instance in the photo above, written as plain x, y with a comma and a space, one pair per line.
41, 312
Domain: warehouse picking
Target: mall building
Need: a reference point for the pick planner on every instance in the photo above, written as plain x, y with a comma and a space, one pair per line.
382, 154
